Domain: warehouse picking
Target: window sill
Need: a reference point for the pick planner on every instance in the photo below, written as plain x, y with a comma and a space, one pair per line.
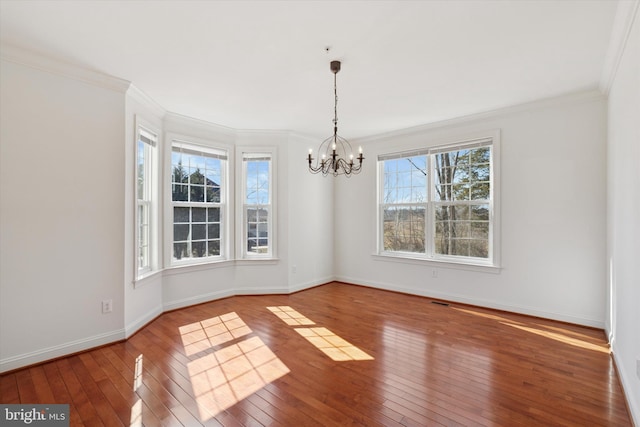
258, 261
416, 260
146, 278
197, 266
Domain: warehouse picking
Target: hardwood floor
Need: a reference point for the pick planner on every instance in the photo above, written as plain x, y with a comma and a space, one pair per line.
336, 355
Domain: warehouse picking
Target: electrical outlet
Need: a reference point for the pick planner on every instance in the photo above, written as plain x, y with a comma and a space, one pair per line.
638, 368
294, 269
107, 306
434, 273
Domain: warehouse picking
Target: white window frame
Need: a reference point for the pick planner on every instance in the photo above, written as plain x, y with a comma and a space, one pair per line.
149, 136
207, 148
491, 138
243, 155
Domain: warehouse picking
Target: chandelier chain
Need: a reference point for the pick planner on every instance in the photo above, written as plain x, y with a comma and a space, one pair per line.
335, 103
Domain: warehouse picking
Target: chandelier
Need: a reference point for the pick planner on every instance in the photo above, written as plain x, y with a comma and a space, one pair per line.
336, 155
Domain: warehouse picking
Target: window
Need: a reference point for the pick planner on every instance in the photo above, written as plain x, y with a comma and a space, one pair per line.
198, 182
257, 212
145, 199
438, 203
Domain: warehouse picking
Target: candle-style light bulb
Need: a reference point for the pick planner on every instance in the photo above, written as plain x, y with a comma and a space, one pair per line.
334, 147
360, 150
310, 150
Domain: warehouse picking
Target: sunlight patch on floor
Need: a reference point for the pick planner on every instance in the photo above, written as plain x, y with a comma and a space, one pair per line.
562, 338
239, 366
290, 316
223, 378
200, 336
137, 373
136, 414
332, 345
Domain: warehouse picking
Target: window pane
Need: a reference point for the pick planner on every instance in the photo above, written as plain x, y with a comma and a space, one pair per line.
179, 250
479, 248
460, 192
263, 197
480, 230
213, 247
198, 232
462, 212
198, 249
179, 193
213, 231
213, 214
257, 230
180, 232
179, 174
461, 231
196, 176
181, 214
480, 191
480, 212
197, 193
404, 229
198, 214
405, 180
212, 177
141, 169
213, 194
481, 172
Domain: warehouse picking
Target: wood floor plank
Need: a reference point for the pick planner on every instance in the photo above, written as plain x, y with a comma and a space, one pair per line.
234, 362
9, 392
26, 388
82, 405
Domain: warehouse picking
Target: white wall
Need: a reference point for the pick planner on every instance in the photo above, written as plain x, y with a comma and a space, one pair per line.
61, 214
623, 215
553, 214
311, 221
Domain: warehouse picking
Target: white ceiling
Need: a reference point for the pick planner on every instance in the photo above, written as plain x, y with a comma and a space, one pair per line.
263, 64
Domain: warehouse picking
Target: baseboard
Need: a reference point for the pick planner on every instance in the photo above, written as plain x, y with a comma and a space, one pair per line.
632, 405
212, 296
261, 291
479, 302
142, 321
198, 299
311, 284
50, 353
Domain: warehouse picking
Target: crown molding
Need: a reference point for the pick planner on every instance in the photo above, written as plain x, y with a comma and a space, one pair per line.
571, 98
62, 68
626, 14
141, 97
174, 120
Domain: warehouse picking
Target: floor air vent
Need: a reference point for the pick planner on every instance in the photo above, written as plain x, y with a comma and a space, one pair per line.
440, 303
